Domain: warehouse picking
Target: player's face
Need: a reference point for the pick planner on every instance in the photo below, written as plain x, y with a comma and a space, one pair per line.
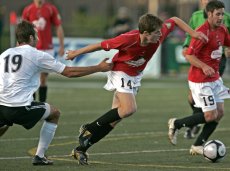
216, 17
154, 36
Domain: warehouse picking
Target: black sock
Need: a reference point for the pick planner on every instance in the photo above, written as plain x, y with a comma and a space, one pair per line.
104, 130
42, 93
190, 121
207, 130
97, 136
109, 117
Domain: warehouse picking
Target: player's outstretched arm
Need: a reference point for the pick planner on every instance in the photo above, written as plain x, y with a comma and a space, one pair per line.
103, 66
71, 54
198, 35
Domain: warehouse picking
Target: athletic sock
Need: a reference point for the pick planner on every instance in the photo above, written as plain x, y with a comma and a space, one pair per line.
190, 121
97, 136
104, 130
46, 135
207, 130
42, 94
109, 117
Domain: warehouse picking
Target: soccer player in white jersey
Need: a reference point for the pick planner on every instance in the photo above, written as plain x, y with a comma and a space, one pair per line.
20, 69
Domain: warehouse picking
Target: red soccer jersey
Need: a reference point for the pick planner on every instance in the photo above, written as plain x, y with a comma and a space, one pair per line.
132, 58
43, 18
209, 53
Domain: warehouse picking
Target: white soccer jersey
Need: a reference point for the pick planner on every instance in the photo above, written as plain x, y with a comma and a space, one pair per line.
20, 69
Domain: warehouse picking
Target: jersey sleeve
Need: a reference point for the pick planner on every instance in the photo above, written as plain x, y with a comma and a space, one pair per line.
227, 20
50, 64
194, 47
118, 43
167, 27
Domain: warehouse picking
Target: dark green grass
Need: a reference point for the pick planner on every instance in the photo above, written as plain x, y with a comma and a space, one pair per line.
139, 142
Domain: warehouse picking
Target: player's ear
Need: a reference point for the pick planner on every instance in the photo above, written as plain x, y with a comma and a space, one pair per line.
145, 33
31, 38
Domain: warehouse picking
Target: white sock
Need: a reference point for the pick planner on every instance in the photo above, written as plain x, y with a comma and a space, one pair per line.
46, 135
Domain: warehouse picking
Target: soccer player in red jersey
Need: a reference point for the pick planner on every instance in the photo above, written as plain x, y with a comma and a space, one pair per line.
45, 15
135, 49
204, 79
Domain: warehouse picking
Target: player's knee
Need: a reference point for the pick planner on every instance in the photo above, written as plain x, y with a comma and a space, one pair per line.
57, 114
54, 116
210, 116
126, 112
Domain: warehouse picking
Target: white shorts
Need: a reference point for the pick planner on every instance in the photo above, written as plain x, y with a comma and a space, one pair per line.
121, 82
206, 95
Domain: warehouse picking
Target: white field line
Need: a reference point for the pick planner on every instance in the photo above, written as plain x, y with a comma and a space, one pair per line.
153, 134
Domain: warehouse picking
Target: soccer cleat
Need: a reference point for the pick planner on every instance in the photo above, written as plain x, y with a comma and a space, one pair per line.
196, 150
172, 131
84, 137
41, 161
80, 156
188, 134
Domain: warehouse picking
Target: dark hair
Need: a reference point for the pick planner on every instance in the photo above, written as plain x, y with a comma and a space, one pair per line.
149, 23
23, 31
214, 4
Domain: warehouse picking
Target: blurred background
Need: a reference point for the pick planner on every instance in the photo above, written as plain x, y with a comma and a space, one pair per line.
87, 21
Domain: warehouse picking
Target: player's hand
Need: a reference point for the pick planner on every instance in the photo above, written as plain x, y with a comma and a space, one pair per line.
184, 51
208, 71
201, 36
71, 54
105, 66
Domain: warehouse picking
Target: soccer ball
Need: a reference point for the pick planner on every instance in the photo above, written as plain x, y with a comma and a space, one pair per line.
214, 150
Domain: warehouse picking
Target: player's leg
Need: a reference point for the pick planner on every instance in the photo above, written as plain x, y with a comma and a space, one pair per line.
191, 132
206, 102
124, 105
42, 91
50, 117
207, 130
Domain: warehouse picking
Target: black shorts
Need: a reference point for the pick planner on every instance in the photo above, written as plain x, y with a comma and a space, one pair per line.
27, 116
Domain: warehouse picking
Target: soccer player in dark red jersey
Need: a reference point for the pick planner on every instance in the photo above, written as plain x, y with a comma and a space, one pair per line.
204, 79
45, 15
135, 49
197, 19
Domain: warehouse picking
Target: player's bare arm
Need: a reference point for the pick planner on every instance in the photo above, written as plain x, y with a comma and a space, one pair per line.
60, 35
103, 66
198, 35
71, 54
207, 70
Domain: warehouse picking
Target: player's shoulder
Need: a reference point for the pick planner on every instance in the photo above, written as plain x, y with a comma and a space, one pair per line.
49, 6
198, 13
131, 34
226, 14
29, 7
